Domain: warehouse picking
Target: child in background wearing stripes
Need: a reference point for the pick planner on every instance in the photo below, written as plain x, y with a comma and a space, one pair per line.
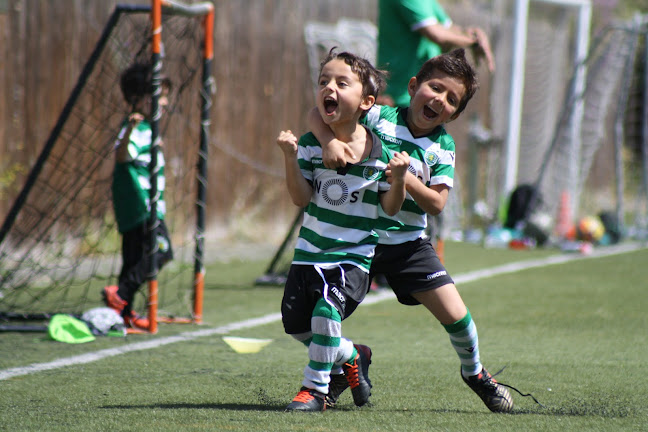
131, 188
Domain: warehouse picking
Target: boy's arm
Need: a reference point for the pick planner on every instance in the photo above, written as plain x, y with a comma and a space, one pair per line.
392, 200
333, 151
456, 36
431, 199
121, 152
298, 187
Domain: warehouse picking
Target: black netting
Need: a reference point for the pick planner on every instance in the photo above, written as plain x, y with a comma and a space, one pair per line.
63, 246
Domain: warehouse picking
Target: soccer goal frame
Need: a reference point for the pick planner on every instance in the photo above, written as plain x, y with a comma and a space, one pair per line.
512, 142
203, 11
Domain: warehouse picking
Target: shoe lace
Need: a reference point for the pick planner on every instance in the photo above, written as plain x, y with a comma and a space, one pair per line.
351, 373
303, 396
513, 388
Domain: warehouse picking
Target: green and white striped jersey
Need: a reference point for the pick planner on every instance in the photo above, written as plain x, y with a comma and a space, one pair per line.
132, 182
432, 160
339, 221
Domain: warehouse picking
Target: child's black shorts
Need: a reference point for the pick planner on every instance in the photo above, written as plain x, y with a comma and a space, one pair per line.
410, 267
344, 286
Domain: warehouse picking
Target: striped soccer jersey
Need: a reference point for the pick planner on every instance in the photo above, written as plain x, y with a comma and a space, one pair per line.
432, 160
339, 221
131, 180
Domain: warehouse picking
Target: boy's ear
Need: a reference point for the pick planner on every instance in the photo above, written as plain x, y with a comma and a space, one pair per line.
411, 86
367, 102
455, 116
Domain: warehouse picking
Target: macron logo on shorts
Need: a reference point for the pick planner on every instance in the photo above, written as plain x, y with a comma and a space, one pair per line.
338, 294
436, 275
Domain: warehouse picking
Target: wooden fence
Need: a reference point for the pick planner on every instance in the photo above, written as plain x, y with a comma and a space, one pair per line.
263, 85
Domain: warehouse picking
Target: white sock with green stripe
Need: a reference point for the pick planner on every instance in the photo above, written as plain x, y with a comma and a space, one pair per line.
346, 354
323, 351
463, 337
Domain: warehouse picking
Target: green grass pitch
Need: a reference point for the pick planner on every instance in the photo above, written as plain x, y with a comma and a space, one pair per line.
573, 334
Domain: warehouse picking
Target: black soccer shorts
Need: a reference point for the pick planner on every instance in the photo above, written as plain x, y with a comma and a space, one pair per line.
409, 268
344, 286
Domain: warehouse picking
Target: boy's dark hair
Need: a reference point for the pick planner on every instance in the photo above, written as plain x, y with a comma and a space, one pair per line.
454, 64
136, 82
372, 79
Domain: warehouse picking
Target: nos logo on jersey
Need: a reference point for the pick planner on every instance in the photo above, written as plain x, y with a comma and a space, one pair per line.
431, 158
334, 191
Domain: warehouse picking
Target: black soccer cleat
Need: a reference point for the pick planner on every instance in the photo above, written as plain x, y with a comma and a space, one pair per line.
496, 397
337, 385
357, 375
307, 400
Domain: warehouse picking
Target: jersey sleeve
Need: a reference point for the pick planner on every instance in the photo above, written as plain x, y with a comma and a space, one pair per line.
440, 14
442, 172
139, 144
372, 117
305, 150
421, 13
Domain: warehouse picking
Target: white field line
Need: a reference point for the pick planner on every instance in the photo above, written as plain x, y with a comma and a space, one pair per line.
271, 318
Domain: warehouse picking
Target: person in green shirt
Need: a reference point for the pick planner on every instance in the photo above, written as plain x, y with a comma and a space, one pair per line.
412, 31
131, 189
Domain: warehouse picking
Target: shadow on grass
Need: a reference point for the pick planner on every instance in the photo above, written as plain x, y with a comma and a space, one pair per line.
583, 409
578, 410
266, 403
178, 406
575, 409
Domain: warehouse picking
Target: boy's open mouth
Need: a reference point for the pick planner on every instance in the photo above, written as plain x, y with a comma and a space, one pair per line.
429, 113
330, 105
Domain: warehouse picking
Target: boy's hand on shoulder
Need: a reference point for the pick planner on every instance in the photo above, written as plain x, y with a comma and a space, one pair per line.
287, 142
397, 167
334, 154
385, 99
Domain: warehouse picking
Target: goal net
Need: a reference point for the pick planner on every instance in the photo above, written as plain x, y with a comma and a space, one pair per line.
596, 160
579, 116
59, 243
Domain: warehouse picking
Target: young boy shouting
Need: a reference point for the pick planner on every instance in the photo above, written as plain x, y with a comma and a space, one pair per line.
329, 274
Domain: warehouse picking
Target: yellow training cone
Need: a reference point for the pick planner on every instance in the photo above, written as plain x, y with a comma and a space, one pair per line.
246, 345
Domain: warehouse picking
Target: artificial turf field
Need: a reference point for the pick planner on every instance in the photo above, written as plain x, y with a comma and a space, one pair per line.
574, 334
